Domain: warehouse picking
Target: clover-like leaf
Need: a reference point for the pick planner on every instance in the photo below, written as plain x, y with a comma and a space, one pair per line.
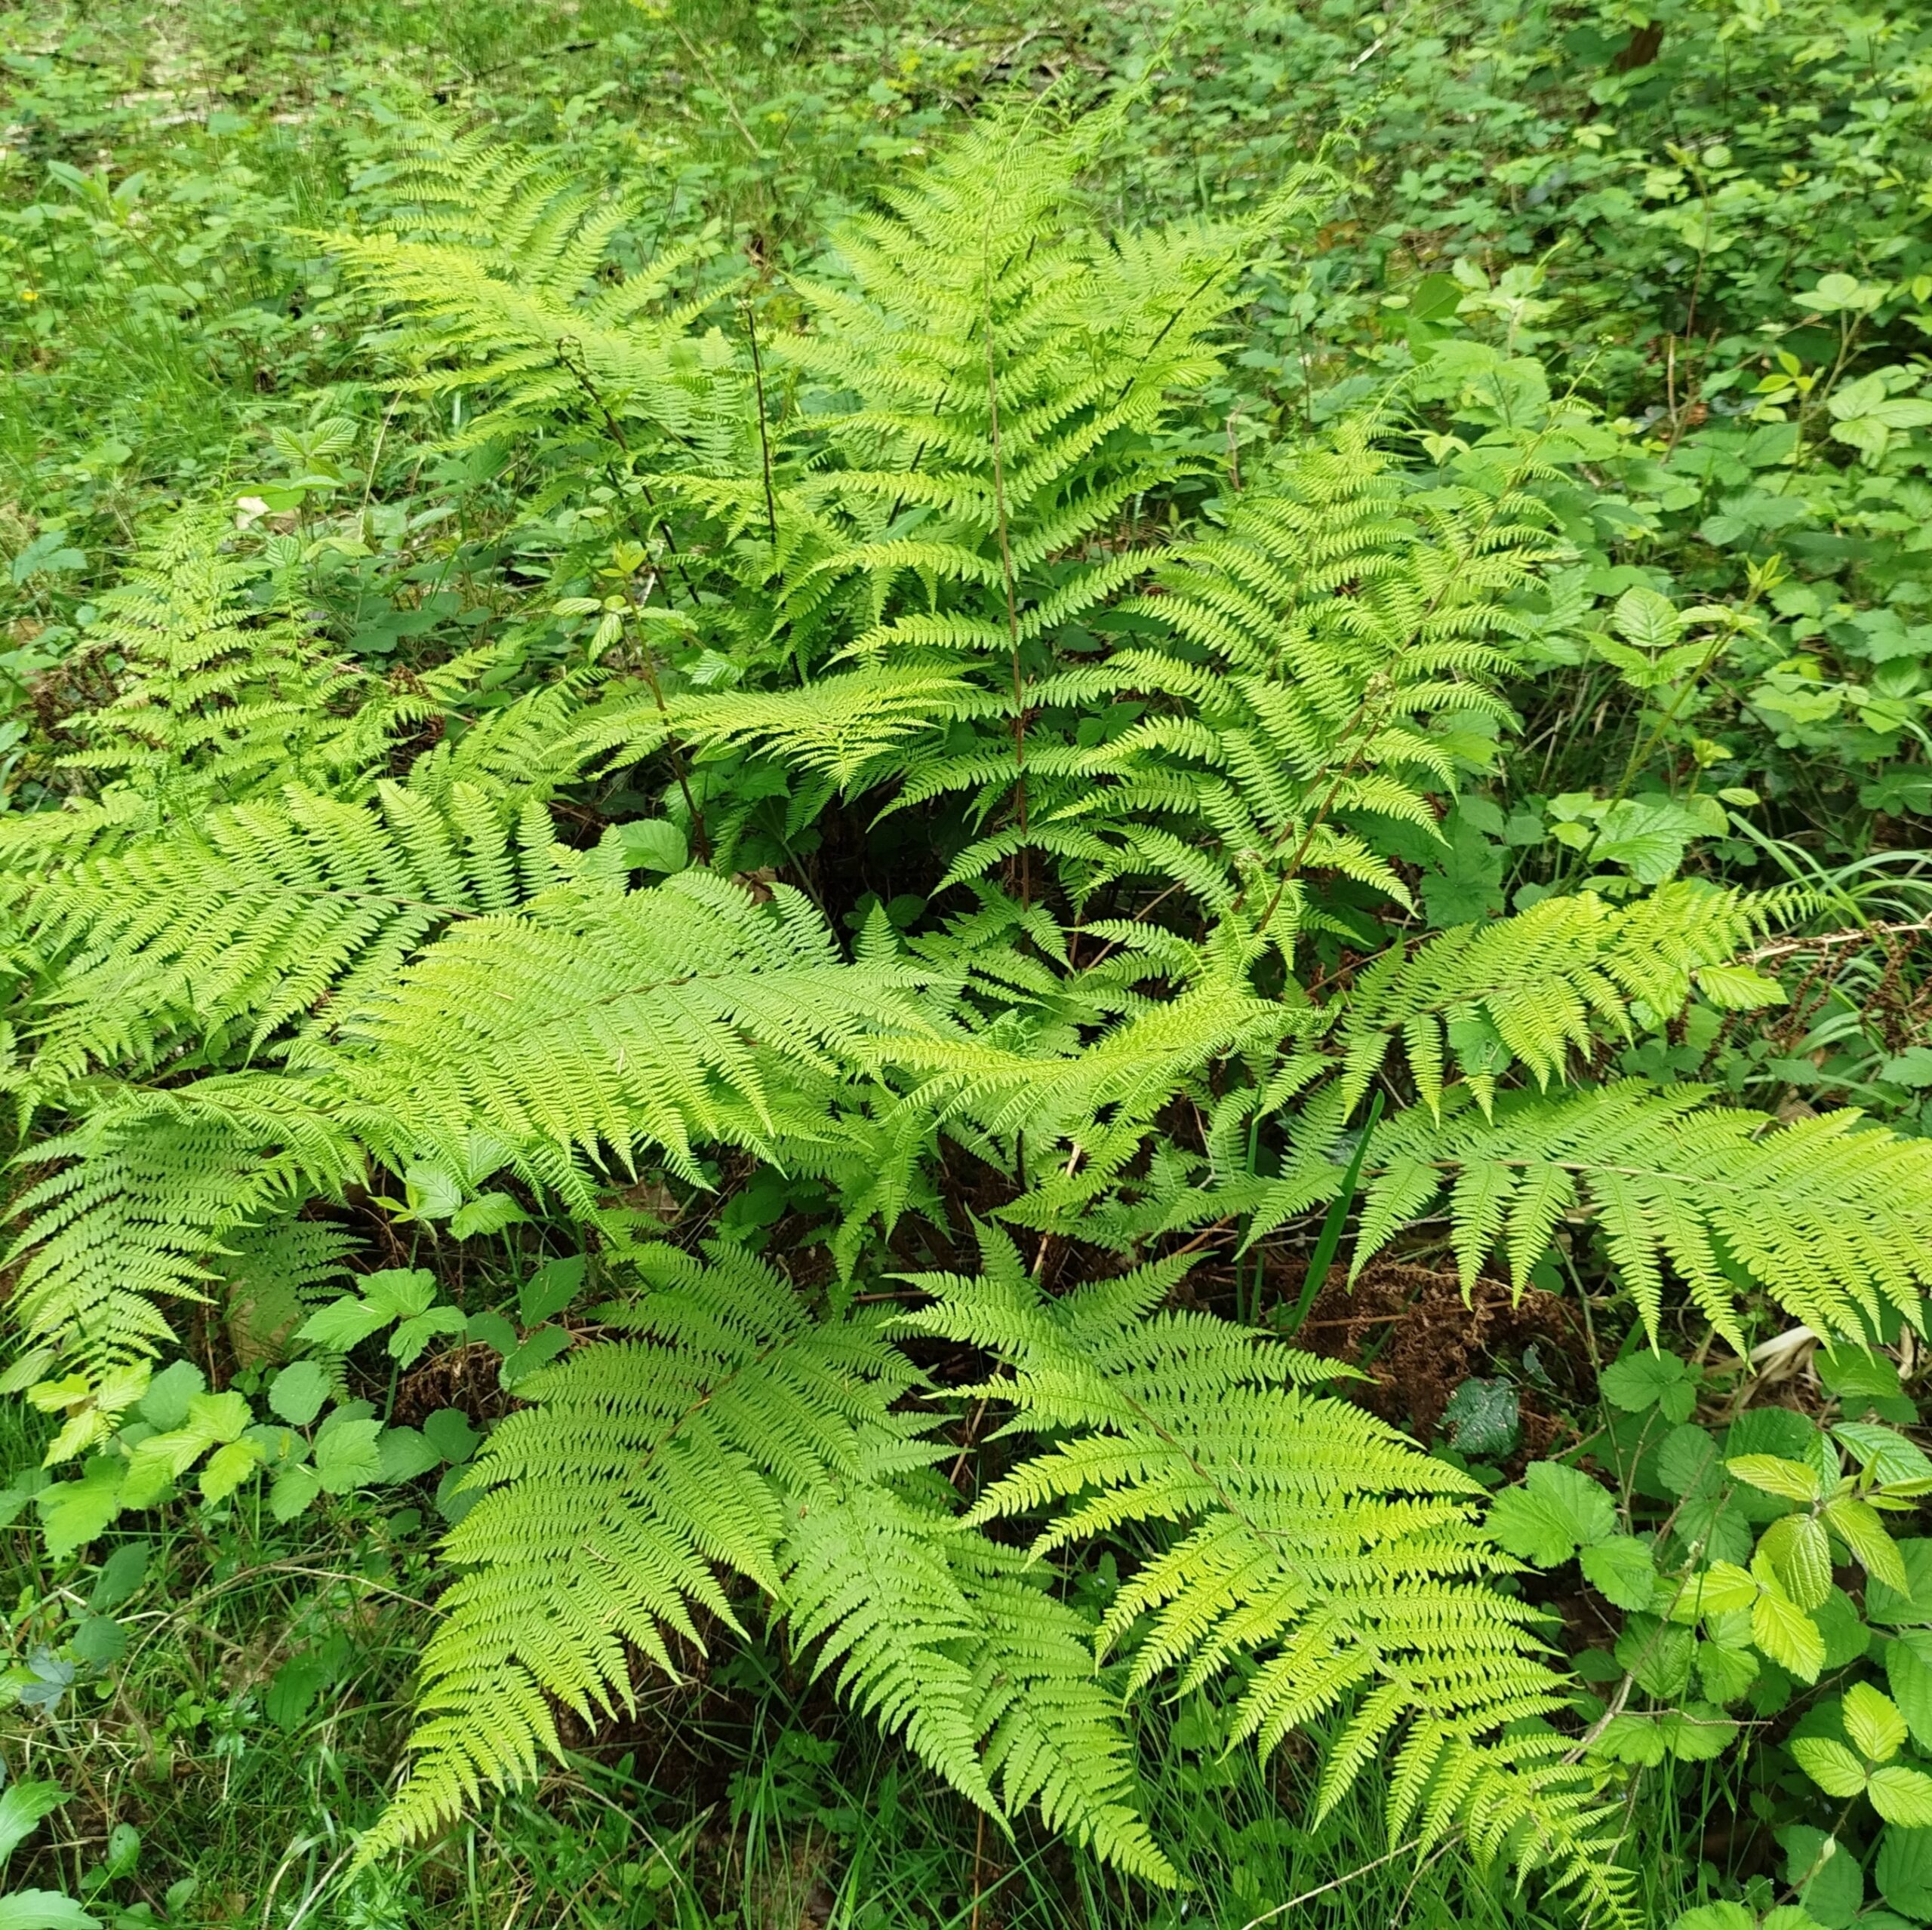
1555, 1511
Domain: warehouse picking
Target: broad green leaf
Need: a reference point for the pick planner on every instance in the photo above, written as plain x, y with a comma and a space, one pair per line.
1555, 1511
164, 1406
346, 1457
99, 1640
228, 1467
1907, 1608
1725, 1673
448, 1431
406, 1343
1830, 1764
652, 844
399, 1293
550, 1289
1659, 1654
434, 1194
1887, 1456
1646, 620
1872, 1722
1903, 1870
1790, 1479
1698, 1733
1715, 1916
1908, 1676
1621, 1570
1858, 1525
1722, 1589
1784, 1632
490, 1213
343, 1323
294, 1490
1688, 1462
44, 1909
403, 1453
72, 1513
23, 1806
1825, 1874
121, 1575
1631, 1738
1901, 1795
1800, 1551
297, 1393
1650, 1380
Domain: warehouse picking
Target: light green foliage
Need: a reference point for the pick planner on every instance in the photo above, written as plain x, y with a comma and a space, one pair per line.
1069, 701
495, 257
730, 1430
1309, 1538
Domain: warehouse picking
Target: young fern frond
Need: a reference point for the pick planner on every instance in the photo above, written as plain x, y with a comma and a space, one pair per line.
219, 700
499, 266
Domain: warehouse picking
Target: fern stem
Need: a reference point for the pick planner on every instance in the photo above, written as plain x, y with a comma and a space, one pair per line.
582, 376
763, 429
1012, 604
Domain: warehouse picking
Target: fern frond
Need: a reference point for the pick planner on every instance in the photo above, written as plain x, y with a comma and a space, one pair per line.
1299, 1535
1830, 1217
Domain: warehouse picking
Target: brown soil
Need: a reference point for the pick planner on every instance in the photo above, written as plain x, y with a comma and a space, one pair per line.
1422, 1339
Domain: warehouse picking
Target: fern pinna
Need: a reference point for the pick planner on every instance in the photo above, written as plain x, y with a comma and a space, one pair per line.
955, 593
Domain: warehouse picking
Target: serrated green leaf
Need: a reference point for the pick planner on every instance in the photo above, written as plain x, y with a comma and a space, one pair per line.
1785, 1633
1901, 1795
346, 1457
1908, 1676
1791, 1480
1622, 1571
297, 1393
228, 1467
1800, 1552
1830, 1764
1860, 1526
1872, 1722
1903, 1870
1555, 1511
1645, 1380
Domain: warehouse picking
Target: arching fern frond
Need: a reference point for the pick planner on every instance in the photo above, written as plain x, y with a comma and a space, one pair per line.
1832, 1220
733, 1436
263, 914
1309, 1551
499, 266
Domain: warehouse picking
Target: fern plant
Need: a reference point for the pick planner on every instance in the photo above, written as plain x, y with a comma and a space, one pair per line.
1138, 753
